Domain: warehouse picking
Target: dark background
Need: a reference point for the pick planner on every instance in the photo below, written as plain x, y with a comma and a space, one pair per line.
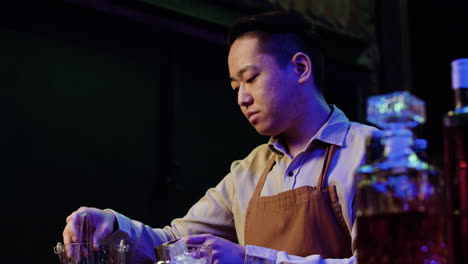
106, 110
438, 35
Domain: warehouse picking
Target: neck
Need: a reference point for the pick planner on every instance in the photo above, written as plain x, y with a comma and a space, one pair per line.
306, 126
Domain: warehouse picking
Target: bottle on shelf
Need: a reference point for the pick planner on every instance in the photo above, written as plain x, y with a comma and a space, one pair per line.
455, 133
400, 217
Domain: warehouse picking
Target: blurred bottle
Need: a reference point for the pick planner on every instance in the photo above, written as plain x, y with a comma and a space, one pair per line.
375, 147
420, 148
399, 196
455, 126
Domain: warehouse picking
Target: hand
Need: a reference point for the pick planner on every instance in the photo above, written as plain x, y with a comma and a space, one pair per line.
224, 251
101, 225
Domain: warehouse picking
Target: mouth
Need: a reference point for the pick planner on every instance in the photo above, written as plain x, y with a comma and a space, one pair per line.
251, 116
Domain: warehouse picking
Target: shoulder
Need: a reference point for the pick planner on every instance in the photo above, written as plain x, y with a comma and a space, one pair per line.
362, 130
258, 157
247, 171
358, 134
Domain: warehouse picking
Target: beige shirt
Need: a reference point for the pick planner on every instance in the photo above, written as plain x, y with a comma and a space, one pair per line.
221, 211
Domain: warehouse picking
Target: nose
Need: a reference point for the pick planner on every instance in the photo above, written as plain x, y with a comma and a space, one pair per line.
244, 98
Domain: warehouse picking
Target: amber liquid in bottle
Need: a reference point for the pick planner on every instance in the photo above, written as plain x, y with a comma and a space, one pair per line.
399, 231
456, 175
400, 197
403, 238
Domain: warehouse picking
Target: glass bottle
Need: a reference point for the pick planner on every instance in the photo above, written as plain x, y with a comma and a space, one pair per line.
455, 127
399, 196
420, 148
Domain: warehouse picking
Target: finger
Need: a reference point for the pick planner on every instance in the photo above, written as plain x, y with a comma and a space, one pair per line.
67, 240
73, 216
69, 233
100, 233
73, 243
69, 237
75, 224
197, 239
76, 228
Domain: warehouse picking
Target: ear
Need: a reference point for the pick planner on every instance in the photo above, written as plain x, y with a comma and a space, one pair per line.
302, 66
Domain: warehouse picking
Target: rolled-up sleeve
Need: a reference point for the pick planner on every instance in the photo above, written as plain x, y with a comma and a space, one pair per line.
212, 214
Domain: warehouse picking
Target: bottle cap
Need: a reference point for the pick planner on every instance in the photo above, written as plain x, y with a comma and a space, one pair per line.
397, 108
460, 73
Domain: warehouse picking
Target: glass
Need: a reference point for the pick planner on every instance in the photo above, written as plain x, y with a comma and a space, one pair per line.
400, 216
85, 253
178, 252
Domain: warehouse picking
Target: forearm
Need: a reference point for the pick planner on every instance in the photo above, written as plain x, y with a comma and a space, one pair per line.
142, 239
208, 216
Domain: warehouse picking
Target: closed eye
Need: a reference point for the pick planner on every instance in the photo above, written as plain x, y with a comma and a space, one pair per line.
252, 79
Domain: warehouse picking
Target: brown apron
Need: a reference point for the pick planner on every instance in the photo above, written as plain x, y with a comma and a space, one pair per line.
303, 221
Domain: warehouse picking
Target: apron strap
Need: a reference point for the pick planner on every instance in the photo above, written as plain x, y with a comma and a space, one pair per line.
322, 184
337, 210
329, 153
261, 182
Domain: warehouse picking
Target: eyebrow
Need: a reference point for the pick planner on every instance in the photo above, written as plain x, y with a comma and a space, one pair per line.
242, 71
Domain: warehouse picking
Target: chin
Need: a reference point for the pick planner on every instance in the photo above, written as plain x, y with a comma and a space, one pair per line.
266, 131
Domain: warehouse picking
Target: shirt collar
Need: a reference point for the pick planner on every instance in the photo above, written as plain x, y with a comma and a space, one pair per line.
333, 131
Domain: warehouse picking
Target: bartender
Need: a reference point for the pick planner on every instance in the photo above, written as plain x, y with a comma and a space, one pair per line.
291, 199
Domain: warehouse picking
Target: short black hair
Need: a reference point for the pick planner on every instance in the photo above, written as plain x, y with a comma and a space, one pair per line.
282, 34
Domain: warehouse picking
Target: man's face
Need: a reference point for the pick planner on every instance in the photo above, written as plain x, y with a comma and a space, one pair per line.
266, 92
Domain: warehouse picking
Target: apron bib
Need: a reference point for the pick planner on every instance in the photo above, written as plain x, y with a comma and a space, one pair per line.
303, 221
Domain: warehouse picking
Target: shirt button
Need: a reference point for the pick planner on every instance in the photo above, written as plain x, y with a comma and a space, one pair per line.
291, 173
